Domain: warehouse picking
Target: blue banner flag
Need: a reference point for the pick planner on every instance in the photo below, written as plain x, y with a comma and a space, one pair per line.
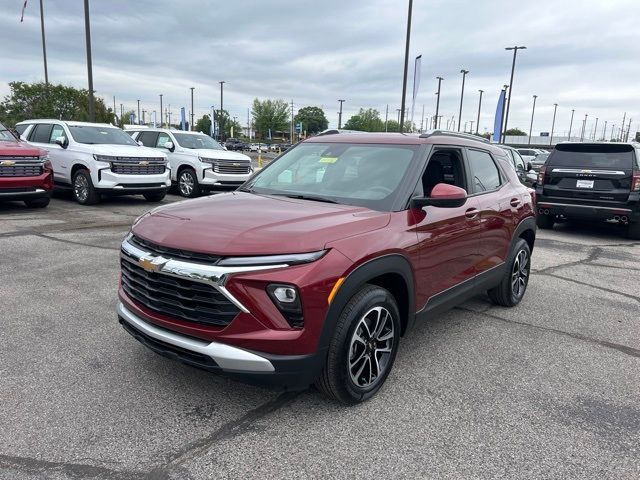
497, 124
183, 120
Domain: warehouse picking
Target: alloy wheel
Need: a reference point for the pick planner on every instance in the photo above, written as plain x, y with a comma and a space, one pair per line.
520, 274
81, 188
371, 347
186, 184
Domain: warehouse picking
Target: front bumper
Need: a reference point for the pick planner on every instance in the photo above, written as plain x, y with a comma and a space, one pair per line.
292, 371
26, 188
23, 193
210, 179
118, 183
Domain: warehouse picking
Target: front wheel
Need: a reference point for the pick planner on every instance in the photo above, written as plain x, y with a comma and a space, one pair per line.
83, 190
154, 196
188, 183
516, 278
363, 347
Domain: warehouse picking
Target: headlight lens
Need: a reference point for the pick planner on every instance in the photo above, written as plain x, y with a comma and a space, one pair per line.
210, 161
104, 158
293, 259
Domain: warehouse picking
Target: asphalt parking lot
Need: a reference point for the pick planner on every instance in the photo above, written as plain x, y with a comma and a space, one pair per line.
549, 389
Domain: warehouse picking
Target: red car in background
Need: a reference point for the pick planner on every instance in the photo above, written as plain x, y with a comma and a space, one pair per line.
25, 171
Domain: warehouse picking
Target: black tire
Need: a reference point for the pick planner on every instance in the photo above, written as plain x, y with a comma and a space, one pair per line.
37, 202
545, 222
188, 185
83, 190
154, 196
633, 231
337, 379
508, 293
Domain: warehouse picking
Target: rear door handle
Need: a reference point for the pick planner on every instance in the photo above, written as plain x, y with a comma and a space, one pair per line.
471, 213
515, 202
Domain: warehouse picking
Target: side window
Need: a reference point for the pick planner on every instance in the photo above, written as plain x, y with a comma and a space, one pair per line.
56, 131
519, 161
148, 139
485, 175
22, 128
162, 139
444, 166
41, 133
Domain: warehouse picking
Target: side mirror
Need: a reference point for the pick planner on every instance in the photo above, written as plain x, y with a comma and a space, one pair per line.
443, 195
529, 167
62, 141
169, 146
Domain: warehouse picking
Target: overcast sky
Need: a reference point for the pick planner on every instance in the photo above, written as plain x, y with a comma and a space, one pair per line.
582, 55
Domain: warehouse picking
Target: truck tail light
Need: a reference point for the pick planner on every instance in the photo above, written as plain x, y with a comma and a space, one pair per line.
541, 172
635, 181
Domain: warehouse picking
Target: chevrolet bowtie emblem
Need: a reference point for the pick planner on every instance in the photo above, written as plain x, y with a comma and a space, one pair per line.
7, 163
143, 163
152, 265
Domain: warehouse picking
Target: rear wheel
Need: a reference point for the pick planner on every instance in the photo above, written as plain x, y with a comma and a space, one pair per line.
37, 202
83, 189
154, 196
188, 183
545, 222
633, 231
514, 283
363, 347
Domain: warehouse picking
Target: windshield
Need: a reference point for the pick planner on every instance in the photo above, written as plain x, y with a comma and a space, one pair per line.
6, 135
361, 175
100, 135
599, 156
188, 140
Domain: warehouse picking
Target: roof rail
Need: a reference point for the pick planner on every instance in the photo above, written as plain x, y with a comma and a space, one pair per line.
449, 133
333, 131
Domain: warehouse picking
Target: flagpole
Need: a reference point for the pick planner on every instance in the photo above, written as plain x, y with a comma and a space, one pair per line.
44, 47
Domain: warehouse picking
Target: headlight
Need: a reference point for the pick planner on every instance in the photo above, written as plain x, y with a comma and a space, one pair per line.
44, 158
104, 158
210, 161
292, 259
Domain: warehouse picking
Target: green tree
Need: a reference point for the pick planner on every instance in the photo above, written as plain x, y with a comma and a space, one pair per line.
392, 126
313, 119
204, 124
37, 100
270, 114
515, 131
365, 121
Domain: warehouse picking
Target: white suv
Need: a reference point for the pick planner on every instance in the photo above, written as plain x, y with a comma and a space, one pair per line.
94, 159
198, 162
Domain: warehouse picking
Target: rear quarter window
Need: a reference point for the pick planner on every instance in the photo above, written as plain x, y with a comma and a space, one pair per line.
610, 156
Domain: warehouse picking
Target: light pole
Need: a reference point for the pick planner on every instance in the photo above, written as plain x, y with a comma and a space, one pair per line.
571, 124
438, 99
604, 132
595, 130
161, 116
479, 106
503, 133
191, 124
513, 67
221, 117
464, 74
471, 122
553, 124
584, 126
340, 115
139, 117
406, 67
87, 31
44, 45
533, 111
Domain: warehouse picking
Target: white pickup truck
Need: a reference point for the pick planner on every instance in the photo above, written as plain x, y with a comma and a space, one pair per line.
95, 159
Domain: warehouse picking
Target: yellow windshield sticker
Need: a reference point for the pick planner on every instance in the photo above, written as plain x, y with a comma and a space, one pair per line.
328, 160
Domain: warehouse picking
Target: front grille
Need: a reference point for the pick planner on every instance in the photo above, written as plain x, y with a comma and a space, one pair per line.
174, 252
137, 169
234, 167
20, 169
178, 298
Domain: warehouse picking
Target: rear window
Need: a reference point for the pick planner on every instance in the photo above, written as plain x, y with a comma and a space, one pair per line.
599, 156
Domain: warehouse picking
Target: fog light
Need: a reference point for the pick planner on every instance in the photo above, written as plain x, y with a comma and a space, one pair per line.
285, 294
286, 298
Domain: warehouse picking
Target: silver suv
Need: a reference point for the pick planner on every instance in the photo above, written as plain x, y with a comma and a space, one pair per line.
94, 159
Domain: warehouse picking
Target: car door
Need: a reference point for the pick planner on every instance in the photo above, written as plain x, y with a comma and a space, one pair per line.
447, 254
496, 203
59, 156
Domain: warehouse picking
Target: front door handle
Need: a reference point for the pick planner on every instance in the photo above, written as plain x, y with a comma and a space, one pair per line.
471, 213
514, 202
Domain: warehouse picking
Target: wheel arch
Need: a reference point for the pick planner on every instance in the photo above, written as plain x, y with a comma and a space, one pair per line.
526, 230
392, 272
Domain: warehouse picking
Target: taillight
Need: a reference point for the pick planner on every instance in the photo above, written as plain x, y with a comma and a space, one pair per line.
541, 176
635, 182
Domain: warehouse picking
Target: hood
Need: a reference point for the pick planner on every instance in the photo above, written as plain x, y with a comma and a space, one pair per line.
241, 223
19, 149
124, 150
222, 154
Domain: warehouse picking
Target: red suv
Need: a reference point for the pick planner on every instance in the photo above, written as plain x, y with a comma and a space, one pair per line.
25, 171
313, 270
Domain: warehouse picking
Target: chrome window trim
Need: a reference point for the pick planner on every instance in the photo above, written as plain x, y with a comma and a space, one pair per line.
586, 170
213, 275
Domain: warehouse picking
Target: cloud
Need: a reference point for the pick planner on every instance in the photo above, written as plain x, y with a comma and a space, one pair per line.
581, 54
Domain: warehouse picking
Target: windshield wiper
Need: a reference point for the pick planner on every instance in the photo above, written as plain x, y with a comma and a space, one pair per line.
306, 197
